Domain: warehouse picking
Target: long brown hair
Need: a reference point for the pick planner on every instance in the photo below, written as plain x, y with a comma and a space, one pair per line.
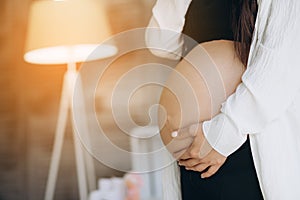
244, 14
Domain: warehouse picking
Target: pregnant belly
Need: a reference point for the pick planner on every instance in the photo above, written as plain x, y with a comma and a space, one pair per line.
198, 86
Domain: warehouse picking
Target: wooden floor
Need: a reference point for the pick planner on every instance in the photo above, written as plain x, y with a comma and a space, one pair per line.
29, 96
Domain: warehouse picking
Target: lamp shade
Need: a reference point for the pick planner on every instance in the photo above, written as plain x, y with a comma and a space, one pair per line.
67, 31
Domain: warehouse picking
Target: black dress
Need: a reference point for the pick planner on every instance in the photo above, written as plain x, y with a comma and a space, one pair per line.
208, 20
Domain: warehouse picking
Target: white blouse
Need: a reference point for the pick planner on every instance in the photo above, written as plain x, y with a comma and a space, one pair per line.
266, 105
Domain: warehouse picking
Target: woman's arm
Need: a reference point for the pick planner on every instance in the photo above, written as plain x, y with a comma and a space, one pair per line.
270, 82
163, 34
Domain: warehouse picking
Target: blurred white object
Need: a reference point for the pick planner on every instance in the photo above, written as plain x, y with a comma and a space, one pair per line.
118, 189
105, 184
109, 189
96, 195
146, 140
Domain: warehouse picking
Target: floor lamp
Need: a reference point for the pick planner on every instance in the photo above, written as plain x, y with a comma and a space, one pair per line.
67, 32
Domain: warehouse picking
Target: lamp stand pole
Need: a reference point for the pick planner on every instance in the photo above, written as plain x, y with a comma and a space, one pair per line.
84, 164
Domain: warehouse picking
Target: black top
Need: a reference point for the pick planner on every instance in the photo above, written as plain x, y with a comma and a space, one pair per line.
208, 20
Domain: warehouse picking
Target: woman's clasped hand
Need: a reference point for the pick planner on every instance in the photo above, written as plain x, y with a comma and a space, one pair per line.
193, 151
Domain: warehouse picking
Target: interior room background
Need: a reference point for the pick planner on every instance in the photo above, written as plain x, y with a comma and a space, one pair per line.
30, 95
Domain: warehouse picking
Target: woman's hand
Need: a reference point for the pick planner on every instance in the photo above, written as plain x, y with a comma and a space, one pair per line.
180, 143
200, 155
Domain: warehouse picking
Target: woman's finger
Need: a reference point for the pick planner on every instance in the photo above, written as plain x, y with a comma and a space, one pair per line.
189, 131
189, 163
200, 167
178, 145
214, 158
177, 155
185, 155
211, 171
194, 149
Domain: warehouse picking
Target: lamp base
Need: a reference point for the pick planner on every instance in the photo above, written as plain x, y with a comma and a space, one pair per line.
84, 164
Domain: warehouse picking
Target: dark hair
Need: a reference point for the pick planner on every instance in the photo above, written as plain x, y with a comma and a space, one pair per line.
244, 16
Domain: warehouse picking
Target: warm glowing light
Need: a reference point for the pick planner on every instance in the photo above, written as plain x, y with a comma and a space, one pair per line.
61, 32
67, 54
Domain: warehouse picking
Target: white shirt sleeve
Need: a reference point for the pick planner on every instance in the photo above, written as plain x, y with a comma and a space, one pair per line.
163, 34
270, 82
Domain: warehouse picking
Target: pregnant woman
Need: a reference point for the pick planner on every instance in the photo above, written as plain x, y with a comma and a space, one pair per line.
222, 55
264, 108
236, 179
